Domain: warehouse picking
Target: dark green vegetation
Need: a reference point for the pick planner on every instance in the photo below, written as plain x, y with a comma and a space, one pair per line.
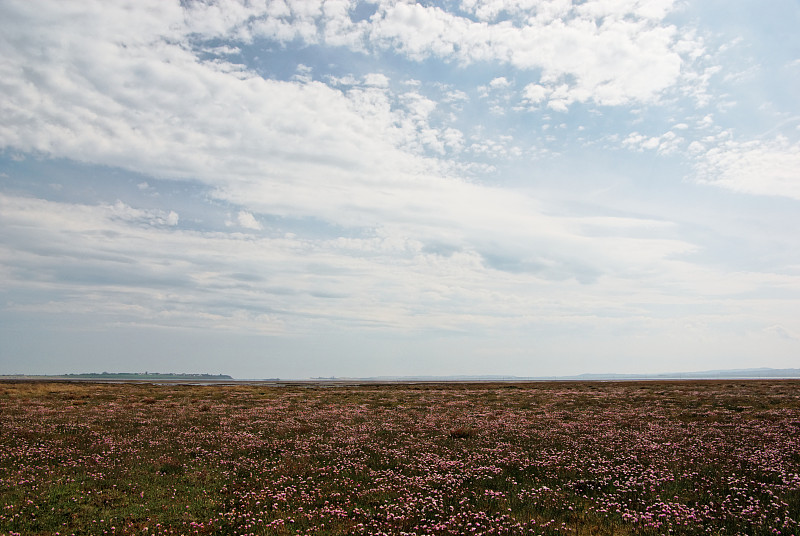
546, 458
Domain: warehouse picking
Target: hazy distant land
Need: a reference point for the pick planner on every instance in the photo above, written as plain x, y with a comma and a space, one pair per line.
127, 376
751, 373
727, 374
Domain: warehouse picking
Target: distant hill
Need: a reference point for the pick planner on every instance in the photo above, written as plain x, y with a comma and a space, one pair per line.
730, 374
146, 376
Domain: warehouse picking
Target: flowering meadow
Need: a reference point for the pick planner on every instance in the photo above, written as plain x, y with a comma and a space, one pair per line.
712, 457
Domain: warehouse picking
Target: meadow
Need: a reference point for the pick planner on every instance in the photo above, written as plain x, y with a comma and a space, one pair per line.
710, 457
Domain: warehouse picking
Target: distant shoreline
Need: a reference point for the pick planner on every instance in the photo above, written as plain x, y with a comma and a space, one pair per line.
189, 379
158, 377
123, 377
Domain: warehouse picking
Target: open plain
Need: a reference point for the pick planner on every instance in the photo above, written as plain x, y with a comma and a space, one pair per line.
709, 457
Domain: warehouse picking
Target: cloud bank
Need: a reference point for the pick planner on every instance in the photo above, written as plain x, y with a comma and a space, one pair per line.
385, 167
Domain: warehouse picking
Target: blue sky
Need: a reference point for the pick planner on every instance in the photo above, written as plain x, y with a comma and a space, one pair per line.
340, 188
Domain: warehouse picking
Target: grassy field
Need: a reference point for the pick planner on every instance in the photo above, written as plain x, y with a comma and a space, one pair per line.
545, 458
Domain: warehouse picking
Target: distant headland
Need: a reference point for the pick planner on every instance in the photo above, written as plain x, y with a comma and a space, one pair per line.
145, 376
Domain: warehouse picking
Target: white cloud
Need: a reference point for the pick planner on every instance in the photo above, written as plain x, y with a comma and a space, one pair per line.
499, 83
535, 93
99, 260
347, 80
303, 149
122, 211
455, 96
248, 221
372, 223
762, 167
641, 142
453, 139
376, 79
706, 122
666, 143
695, 148
781, 332
609, 52
631, 56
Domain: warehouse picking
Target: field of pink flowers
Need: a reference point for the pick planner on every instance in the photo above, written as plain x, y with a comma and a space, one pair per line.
437, 459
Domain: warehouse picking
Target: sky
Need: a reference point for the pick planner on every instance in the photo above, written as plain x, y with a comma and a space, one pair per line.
308, 188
